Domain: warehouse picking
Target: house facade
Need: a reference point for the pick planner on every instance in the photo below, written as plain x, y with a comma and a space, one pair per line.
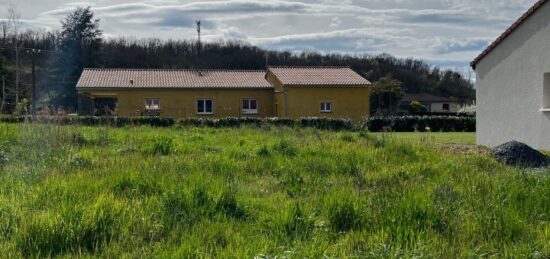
513, 83
433, 103
291, 92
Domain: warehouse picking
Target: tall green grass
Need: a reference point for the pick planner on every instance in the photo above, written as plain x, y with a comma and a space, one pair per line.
73, 191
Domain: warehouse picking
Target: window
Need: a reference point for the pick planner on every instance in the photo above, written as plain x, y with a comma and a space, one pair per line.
546, 93
446, 107
204, 106
326, 107
152, 104
250, 106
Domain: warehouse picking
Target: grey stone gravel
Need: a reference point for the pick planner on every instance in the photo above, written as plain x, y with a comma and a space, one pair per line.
519, 154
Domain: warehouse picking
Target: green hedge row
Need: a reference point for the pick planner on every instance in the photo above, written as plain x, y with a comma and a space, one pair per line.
420, 123
313, 122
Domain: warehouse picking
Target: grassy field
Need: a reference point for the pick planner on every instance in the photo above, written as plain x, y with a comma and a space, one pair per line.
442, 138
261, 192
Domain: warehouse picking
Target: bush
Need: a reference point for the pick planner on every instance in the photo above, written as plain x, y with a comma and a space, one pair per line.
327, 123
421, 123
322, 123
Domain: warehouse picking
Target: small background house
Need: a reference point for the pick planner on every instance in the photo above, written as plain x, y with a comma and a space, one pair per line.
432, 103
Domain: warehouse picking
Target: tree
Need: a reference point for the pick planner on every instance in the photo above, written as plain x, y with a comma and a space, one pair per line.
14, 23
386, 95
79, 44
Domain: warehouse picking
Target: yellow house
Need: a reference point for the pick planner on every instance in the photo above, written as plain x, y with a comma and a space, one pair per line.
291, 92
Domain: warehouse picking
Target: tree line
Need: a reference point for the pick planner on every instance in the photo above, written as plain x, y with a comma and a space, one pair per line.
79, 43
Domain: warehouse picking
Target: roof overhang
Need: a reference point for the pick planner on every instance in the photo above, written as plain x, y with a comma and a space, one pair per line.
509, 31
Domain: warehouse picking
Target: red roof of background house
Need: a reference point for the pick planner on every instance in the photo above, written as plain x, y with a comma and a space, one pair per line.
509, 31
312, 76
171, 78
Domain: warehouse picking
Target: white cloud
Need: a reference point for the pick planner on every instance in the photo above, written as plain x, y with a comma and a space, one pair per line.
441, 31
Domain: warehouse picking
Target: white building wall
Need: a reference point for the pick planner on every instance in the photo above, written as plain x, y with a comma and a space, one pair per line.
509, 86
438, 107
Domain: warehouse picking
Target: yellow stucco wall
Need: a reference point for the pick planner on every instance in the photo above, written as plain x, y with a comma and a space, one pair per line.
283, 101
304, 101
181, 103
352, 102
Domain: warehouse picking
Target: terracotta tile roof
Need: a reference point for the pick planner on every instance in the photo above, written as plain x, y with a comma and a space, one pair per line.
509, 31
171, 78
309, 76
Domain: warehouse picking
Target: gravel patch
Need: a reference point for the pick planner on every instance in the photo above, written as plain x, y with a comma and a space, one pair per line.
519, 154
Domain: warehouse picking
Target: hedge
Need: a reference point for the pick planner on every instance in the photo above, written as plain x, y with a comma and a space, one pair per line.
420, 123
312, 122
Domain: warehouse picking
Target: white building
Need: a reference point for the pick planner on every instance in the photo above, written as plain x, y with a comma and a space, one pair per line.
432, 103
513, 83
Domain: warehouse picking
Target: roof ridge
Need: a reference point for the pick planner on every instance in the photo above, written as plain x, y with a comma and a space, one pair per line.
508, 31
329, 67
178, 69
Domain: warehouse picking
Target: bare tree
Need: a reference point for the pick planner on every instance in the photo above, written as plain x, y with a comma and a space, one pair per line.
14, 20
4, 26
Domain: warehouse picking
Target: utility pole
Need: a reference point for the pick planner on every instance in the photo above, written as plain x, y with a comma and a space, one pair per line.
198, 22
33, 53
3, 94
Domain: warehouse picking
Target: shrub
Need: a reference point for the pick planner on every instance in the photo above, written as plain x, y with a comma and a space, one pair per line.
275, 121
421, 123
326, 123
335, 124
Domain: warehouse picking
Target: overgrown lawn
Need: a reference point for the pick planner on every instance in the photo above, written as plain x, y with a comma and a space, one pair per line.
260, 192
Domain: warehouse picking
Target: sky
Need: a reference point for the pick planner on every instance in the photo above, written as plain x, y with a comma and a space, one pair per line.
447, 33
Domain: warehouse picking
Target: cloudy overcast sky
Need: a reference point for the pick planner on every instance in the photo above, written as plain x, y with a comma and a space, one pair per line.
449, 33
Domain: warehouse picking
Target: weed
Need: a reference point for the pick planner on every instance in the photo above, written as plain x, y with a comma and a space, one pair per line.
286, 147
161, 146
343, 215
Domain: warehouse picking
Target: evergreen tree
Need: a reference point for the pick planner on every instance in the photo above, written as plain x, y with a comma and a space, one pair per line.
79, 46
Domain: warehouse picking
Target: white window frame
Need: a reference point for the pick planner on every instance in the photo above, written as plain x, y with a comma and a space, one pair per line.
204, 100
150, 103
249, 110
324, 107
448, 107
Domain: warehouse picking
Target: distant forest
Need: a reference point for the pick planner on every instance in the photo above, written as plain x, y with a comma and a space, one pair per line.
62, 57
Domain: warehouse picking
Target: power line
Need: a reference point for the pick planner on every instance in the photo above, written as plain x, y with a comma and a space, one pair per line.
21, 48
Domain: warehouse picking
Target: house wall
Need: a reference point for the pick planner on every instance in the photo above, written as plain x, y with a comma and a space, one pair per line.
510, 83
294, 101
352, 102
181, 103
305, 101
438, 107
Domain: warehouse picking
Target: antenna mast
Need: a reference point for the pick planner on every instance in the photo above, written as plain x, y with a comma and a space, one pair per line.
198, 22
